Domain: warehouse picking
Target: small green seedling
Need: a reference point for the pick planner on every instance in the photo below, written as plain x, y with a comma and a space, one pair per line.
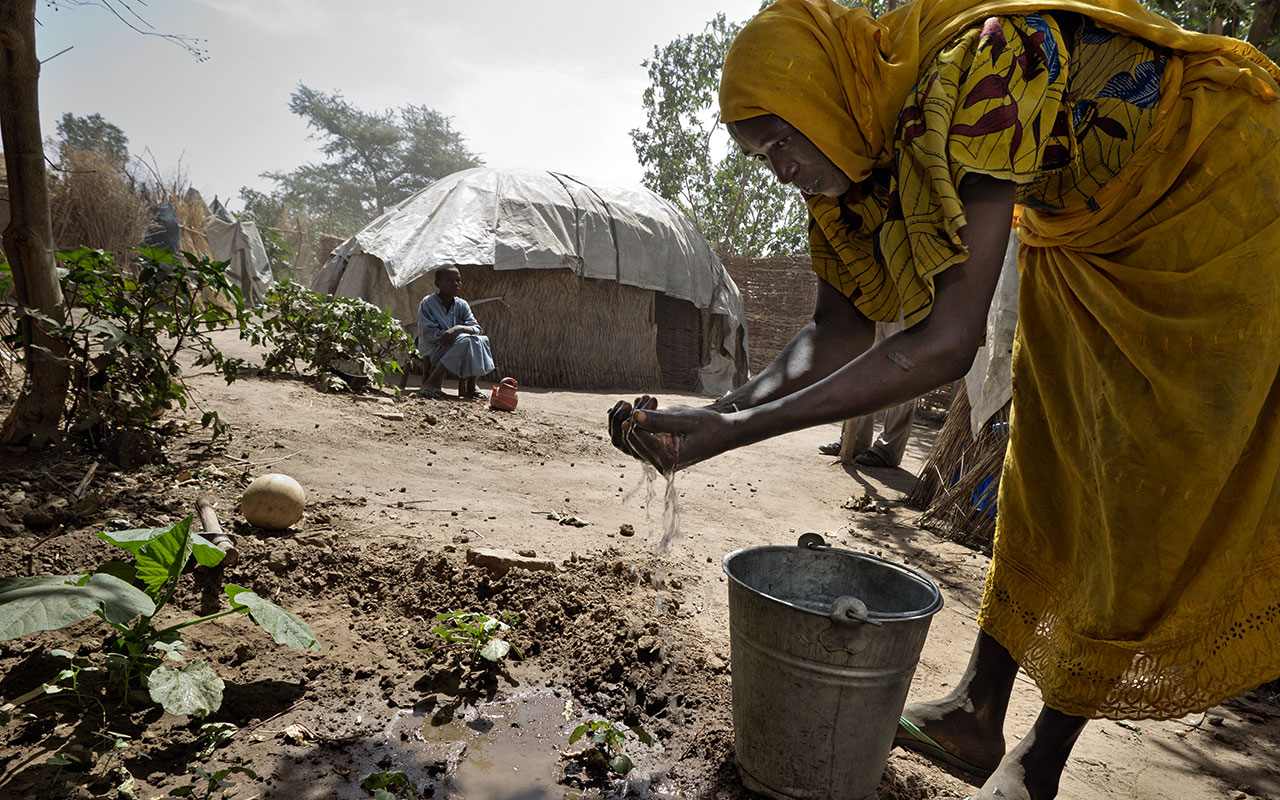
478, 632
213, 782
608, 738
71, 673
388, 784
213, 735
142, 653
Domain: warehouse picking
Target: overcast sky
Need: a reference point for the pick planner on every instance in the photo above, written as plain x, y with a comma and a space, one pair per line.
547, 84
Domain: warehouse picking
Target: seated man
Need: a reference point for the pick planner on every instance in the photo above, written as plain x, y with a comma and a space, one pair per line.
450, 339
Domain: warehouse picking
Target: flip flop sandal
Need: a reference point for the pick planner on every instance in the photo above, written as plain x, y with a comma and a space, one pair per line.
918, 741
474, 395
431, 393
832, 449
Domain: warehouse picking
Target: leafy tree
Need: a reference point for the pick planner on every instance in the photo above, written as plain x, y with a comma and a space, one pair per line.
737, 206
375, 159
93, 133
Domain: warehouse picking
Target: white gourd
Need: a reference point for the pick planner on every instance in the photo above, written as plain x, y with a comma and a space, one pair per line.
273, 501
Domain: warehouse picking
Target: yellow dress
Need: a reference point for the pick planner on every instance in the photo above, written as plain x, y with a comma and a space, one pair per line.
1136, 568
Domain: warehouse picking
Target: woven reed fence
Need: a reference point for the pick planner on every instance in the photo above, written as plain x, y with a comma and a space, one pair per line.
778, 294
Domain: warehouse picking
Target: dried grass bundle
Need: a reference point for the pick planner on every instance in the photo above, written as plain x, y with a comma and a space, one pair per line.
958, 485
191, 211
94, 202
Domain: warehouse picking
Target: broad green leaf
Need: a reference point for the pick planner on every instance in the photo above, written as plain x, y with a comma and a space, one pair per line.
111, 335
131, 540
192, 689
620, 764
162, 559
121, 569
205, 551
641, 734
495, 650
122, 601
50, 602
577, 733
284, 627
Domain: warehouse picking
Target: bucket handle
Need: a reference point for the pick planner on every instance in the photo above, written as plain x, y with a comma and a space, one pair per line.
848, 610
845, 610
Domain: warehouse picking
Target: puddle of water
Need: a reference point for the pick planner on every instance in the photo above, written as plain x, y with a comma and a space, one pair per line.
512, 749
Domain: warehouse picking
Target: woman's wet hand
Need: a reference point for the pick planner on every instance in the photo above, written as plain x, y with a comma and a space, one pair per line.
619, 416
674, 438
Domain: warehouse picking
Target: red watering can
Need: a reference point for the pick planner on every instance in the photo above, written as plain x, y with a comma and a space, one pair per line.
504, 395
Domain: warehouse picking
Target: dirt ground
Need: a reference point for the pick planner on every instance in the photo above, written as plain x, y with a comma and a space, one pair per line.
399, 490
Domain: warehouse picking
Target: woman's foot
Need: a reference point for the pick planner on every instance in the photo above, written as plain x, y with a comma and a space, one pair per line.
1033, 769
953, 733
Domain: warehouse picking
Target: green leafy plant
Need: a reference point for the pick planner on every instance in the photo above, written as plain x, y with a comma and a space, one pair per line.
478, 632
143, 653
71, 674
388, 784
609, 738
314, 333
133, 326
210, 782
213, 735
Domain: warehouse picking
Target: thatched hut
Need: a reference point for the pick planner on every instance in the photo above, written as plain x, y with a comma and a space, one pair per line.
578, 285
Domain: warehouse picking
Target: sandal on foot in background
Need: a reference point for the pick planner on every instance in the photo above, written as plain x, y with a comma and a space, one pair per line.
832, 449
871, 459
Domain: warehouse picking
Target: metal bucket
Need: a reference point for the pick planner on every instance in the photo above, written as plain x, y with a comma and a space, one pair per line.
824, 643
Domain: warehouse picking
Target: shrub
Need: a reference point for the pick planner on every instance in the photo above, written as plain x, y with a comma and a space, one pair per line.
309, 332
129, 329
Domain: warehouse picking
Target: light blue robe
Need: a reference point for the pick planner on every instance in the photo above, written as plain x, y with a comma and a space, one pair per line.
469, 356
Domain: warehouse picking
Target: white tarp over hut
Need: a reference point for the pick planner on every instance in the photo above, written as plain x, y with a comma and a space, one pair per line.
238, 242
602, 286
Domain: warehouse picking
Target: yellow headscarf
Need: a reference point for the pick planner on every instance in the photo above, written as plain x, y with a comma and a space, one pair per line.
841, 76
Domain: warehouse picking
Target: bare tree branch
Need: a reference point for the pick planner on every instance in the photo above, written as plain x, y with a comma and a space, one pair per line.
124, 11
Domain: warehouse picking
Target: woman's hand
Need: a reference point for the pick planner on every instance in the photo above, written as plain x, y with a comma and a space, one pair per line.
670, 439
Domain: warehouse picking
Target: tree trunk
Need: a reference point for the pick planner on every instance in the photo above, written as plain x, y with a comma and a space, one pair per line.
28, 240
1264, 15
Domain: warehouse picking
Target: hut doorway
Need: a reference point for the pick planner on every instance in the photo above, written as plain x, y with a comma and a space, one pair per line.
679, 342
